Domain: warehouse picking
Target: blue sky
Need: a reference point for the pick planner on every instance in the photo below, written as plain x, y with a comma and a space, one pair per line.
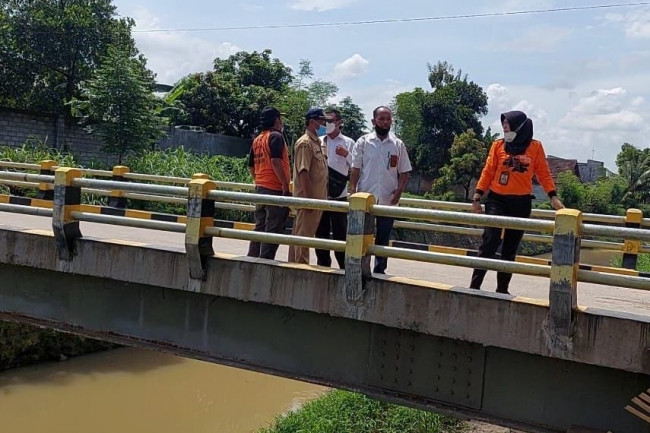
582, 76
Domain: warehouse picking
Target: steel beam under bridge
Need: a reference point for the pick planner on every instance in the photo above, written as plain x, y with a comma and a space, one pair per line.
408, 366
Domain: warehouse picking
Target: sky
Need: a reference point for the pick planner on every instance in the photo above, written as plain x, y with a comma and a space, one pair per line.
582, 76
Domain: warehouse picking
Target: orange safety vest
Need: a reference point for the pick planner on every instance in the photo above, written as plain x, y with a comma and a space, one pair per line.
264, 173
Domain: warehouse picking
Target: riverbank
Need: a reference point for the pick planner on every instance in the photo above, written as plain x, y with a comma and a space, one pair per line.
24, 345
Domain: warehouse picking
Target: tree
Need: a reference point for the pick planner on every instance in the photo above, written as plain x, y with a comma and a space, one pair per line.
229, 98
634, 167
118, 104
47, 48
429, 121
603, 196
468, 155
300, 96
354, 122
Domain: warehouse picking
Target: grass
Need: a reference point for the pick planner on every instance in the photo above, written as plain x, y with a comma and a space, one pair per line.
642, 264
342, 411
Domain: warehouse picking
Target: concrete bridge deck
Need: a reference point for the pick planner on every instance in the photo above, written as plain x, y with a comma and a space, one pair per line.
589, 295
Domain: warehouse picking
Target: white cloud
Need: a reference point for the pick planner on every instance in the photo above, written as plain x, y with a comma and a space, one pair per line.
605, 110
498, 97
351, 67
319, 5
173, 55
636, 24
582, 124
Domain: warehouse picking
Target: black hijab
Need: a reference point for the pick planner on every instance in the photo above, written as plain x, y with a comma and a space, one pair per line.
518, 120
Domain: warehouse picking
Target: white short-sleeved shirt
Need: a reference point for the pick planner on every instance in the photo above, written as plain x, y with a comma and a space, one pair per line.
379, 170
337, 162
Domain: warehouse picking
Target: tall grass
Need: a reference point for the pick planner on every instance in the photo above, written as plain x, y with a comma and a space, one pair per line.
33, 151
180, 163
173, 162
341, 411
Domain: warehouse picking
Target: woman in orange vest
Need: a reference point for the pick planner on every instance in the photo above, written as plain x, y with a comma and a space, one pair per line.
508, 176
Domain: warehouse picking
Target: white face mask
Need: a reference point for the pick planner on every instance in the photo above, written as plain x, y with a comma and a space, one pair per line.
510, 136
330, 127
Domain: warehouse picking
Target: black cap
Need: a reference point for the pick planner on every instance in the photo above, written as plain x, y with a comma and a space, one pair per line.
317, 113
269, 114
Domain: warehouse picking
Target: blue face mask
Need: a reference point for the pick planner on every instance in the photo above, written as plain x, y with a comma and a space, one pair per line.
321, 130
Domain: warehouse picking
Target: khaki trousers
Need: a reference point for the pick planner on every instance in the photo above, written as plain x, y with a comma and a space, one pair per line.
305, 225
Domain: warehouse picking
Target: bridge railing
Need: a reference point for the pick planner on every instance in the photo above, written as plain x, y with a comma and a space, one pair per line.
228, 199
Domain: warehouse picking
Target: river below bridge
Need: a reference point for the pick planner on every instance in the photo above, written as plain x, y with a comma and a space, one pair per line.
137, 390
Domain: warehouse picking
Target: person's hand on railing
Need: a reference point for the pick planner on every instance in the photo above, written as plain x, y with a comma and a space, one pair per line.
476, 206
556, 203
395, 196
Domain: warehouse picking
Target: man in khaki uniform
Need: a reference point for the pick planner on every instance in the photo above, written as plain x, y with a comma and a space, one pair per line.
309, 180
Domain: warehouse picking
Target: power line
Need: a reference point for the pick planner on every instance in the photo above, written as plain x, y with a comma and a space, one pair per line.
399, 20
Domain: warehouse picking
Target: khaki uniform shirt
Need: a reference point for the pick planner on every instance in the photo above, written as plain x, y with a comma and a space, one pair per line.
308, 155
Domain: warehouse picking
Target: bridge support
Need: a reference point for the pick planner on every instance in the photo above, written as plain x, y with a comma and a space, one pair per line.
200, 215
563, 298
361, 227
67, 199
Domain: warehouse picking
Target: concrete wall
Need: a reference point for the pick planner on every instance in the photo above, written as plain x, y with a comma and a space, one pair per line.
203, 142
16, 127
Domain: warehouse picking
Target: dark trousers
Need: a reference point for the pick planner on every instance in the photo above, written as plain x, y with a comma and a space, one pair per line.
336, 224
383, 227
513, 206
269, 219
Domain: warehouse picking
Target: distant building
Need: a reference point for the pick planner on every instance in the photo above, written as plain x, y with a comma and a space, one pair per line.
587, 172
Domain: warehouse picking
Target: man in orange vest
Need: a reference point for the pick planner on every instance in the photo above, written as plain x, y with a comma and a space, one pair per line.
268, 163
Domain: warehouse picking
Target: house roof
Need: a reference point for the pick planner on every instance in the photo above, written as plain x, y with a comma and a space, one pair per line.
560, 165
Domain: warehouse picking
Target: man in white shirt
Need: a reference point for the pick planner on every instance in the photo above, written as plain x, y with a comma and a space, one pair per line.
338, 149
380, 166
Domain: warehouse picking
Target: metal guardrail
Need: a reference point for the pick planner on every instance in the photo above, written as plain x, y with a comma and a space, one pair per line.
166, 192
410, 202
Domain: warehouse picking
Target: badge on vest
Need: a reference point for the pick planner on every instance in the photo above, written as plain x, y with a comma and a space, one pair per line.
505, 176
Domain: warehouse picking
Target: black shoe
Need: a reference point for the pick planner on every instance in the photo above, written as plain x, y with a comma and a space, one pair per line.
504, 291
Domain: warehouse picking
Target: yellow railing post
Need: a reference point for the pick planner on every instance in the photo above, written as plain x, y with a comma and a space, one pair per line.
565, 263
631, 248
200, 215
46, 190
67, 199
361, 228
118, 196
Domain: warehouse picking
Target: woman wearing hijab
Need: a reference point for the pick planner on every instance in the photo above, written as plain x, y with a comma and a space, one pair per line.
508, 176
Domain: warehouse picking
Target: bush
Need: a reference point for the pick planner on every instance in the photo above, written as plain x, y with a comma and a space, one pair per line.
341, 411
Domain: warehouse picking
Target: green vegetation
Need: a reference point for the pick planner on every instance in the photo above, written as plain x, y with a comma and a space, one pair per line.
181, 163
429, 121
48, 48
34, 151
118, 104
642, 264
341, 411
23, 345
